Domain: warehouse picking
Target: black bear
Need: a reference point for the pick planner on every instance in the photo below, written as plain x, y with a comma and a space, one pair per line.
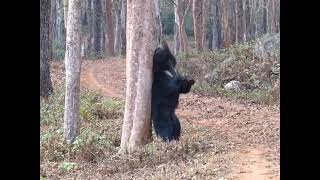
166, 87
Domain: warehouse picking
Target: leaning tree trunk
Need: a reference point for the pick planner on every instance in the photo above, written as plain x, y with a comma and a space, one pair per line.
45, 80
198, 23
73, 66
110, 30
141, 42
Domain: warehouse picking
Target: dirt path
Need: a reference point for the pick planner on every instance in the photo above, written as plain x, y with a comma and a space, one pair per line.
252, 130
253, 166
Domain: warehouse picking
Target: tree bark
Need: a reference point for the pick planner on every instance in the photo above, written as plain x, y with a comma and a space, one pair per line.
239, 20
198, 23
117, 43
45, 80
58, 29
226, 29
248, 19
110, 29
73, 67
123, 26
265, 17
65, 11
205, 8
217, 25
141, 43
97, 26
182, 32
177, 40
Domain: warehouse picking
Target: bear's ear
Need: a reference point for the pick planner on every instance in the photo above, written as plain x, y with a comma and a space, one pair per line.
164, 45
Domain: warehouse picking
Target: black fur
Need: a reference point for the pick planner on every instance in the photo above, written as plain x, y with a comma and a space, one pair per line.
166, 88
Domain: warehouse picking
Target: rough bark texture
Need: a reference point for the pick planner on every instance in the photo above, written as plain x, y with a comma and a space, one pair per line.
73, 66
45, 80
141, 43
198, 23
110, 29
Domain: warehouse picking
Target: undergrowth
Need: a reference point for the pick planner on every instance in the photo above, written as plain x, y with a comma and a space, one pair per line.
213, 69
94, 152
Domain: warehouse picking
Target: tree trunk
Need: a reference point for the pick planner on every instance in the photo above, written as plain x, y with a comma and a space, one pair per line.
65, 11
110, 30
239, 20
182, 32
97, 26
226, 29
205, 8
142, 42
177, 40
198, 23
117, 43
232, 21
58, 29
265, 17
158, 20
214, 24
248, 19
123, 26
45, 80
73, 67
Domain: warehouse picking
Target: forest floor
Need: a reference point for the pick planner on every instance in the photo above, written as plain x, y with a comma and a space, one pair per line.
250, 132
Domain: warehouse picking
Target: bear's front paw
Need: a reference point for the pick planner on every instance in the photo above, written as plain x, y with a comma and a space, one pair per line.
186, 85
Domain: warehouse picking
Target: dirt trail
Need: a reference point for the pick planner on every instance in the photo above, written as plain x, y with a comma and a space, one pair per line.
90, 81
252, 130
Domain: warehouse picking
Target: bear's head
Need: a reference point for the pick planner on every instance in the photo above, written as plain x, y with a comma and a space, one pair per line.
163, 60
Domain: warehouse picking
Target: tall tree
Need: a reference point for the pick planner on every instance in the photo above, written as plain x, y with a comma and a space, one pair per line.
45, 80
217, 23
225, 19
239, 21
181, 17
205, 8
177, 9
117, 42
97, 18
73, 67
142, 40
197, 10
65, 11
123, 26
110, 29
58, 30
